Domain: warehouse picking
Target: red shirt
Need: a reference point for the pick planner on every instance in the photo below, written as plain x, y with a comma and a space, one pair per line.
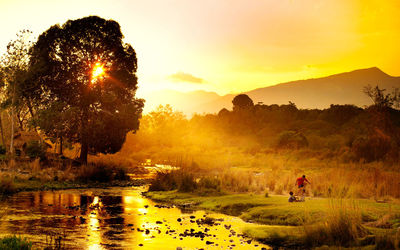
300, 181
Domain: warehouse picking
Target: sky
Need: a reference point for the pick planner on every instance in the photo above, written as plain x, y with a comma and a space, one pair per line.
231, 46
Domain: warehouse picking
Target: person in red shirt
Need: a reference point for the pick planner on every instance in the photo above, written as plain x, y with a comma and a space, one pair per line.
301, 184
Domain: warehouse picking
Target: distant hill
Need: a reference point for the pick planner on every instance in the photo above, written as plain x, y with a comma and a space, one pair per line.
186, 102
344, 88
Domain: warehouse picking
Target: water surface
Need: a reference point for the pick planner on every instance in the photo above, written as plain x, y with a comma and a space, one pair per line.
116, 218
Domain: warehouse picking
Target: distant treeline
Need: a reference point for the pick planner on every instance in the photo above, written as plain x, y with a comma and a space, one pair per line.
347, 132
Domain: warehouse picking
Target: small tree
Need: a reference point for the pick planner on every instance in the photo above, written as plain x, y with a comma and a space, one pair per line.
242, 102
15, 73
379, 97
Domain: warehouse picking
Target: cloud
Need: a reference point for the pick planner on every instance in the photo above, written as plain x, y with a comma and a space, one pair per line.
184, 77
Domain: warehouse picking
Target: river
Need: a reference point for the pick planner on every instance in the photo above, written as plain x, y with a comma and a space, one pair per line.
116, 218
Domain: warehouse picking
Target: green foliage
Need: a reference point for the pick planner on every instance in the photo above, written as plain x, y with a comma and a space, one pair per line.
95, 111
15, 243
102, 172
3, 150
380, 98
291, 140
242, 102
388, 241
35, 149
7, 186
371, 148
165, 181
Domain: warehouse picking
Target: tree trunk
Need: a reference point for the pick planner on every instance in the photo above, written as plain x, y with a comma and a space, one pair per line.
12, 124
20, 121
3, 141
84, 141
28, 103
61, 145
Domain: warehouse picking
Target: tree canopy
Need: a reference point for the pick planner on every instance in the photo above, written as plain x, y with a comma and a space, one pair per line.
85, 84
241, 102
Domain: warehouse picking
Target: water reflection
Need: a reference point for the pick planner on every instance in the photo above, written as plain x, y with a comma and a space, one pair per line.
118, 218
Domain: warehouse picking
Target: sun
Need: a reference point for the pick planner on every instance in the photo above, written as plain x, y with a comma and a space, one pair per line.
98, 70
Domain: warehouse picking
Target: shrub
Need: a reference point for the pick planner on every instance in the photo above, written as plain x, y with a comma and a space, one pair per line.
35, 149
3, 150
291, 140
186, 182
209, 186
163, 181
14, 242
371, 148
341, 228
388, 241
178, 179
102, 172
7, 186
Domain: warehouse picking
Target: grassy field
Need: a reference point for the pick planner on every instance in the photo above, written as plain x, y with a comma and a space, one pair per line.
318, 221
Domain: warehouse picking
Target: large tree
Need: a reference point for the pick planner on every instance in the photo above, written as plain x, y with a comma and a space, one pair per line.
86, 83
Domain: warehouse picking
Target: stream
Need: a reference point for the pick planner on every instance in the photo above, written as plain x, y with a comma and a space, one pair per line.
116, 218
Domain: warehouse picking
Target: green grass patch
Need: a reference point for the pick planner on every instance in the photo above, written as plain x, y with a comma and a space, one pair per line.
14, 243
313, 223
275, 209
284, 236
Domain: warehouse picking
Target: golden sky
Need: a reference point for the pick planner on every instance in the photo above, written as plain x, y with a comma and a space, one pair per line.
229, 46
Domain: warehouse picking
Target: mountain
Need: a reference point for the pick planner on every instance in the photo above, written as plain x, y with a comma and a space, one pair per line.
344, 88
188, 102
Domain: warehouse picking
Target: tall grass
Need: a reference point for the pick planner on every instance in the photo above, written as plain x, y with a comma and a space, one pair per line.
14, 243
330, 179
101, 172
342, 226
7, 185
388, 240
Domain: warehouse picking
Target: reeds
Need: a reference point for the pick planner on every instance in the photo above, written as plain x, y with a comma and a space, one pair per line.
342, 226
14, 243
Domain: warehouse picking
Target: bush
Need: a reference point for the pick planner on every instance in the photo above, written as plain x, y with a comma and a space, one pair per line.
341, 228
209, 186
371, 148
3, 150
7, 186
291, 140
14, 242
178, 179
163, 181
35, 149
388, 241
102, 172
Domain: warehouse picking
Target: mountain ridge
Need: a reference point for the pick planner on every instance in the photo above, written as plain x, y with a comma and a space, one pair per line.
341, 88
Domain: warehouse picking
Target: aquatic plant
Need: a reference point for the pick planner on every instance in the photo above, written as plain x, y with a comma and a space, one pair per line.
15, 243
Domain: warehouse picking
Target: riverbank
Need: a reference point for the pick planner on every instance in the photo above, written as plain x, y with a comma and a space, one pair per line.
316, 222
32, 177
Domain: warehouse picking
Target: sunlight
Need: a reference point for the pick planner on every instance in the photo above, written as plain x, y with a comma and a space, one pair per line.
98, 70
94, 236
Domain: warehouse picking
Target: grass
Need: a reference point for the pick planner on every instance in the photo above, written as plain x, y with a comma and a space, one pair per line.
31, 175
316, 222
284, 236
14, 243
274, 210
101, 172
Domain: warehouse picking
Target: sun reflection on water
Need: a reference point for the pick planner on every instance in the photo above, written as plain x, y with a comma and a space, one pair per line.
94, 235
115, 218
